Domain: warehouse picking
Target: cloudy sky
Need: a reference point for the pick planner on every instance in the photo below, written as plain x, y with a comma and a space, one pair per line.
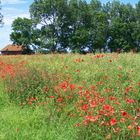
11, 9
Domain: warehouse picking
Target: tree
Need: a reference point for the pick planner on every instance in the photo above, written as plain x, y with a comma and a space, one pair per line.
51, 15
122, 20
75, 24
99, 24
24, 34
1, 16
79, 20
136, 27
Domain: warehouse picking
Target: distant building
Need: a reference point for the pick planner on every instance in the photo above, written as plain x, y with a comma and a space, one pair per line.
12, 50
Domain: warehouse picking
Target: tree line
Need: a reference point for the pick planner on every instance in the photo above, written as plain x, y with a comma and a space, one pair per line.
1, 16
71, 24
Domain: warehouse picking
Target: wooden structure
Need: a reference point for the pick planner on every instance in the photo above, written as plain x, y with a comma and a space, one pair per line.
12, 50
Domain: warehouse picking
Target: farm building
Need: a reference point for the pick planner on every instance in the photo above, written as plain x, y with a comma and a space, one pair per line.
12, 50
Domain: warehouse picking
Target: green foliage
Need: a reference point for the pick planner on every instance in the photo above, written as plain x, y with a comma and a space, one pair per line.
1, 16
24, 34
73, 24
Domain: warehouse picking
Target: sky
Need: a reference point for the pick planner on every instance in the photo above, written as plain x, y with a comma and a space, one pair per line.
11, 9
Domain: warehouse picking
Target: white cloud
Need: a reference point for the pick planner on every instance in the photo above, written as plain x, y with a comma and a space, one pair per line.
6, 30
11, 13
5, 39
8, 19
4, 2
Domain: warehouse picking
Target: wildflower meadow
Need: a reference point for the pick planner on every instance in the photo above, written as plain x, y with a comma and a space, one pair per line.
70, 97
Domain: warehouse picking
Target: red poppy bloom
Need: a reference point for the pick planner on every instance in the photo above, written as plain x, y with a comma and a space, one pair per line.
124, 114
130, 127
64, 85
93, 104
72, 115
113, 121
112, 98
85, 122
107, 107
138, 130
77, 124
72, 86
107, 90
122, 120
29, 103
130, 101
106, 123
117, 103
59, 99
45, 103
92, 119
102, 99
52, 97
85, 107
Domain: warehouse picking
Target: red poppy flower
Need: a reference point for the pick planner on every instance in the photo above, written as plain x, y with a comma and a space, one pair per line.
130, 127
93, 104
113, 121
112, 98
85, 107
102, 99
77, 124
29, 103
124, 114
85, 122
138, 130
130, 101
107, 107
59, 99
52, 97
72, 86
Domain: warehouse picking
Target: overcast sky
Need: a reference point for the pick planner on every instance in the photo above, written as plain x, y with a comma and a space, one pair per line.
11, 9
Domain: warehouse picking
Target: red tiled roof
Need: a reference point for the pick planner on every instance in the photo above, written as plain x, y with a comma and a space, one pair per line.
12, 48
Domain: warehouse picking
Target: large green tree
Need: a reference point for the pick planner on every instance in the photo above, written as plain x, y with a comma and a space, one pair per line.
80, 21
75, 23
99, 24
122, 24
56, 24
1, 16
136, 25
24, 34
51, 15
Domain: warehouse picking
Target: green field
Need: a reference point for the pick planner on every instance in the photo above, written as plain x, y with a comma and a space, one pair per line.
70, 97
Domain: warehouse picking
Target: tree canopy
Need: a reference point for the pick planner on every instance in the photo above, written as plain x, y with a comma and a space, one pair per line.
63, 24
1, 16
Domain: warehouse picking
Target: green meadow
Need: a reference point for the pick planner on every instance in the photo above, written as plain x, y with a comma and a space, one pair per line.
70, 97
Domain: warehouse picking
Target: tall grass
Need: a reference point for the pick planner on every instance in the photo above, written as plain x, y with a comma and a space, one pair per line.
70, 97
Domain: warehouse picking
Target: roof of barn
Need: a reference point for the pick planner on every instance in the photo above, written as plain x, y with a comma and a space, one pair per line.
12, 48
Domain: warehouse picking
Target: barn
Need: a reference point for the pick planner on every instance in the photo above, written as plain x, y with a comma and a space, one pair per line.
12, 50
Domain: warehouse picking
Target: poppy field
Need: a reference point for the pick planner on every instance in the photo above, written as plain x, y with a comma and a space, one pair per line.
70, 97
